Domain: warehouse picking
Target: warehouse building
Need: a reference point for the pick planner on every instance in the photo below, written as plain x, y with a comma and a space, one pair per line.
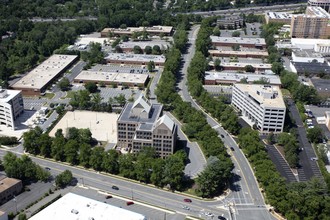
142, 124
261, 106
109, 78
74, 207
135, 59
11, 107
37, 81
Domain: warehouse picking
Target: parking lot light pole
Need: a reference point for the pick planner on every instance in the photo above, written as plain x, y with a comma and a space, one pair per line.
15, 203
82, 180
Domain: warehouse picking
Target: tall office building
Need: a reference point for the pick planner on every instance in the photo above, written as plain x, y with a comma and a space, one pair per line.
260, 105
313, 24
325, 4
11, 106
143, 124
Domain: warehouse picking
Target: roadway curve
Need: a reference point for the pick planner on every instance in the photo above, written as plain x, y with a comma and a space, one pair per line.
247, 200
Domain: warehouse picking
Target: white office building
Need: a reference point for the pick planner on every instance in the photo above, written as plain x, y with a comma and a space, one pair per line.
11, 106
260, 105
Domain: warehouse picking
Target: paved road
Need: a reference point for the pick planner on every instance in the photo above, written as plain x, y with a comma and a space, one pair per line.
245, 193
308, 168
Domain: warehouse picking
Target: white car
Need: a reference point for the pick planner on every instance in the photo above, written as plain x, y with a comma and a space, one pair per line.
209, 214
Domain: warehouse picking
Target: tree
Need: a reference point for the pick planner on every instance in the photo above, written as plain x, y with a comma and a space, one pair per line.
60, 109
236, 47
216, 31
315, 134
96, 158
57, 147
236, 34
151, 66
30, 143
71, 152
22, 216
137, 50
91, 87
271, 138
84, 155
118, 49
173, 172
249, 68
64, 84
147, 50
45, 143
120, 99
63, 179
156, 50
110, 162
217, 63
277, 68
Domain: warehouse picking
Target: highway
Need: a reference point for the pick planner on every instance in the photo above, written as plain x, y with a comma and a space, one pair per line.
245, 194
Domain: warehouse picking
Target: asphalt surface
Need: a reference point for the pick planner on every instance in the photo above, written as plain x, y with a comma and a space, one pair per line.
247, 200
308, 168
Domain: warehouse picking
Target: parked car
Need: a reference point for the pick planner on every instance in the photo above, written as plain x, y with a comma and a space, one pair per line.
115, 187
108, 196
129, 203
187, 200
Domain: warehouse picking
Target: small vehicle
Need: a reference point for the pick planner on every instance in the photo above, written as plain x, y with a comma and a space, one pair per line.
221, 218
232, 149
187, 200
314, 159
129, 203
209, 214
47, 168
221, 135
115, 187
185, 207
108, 196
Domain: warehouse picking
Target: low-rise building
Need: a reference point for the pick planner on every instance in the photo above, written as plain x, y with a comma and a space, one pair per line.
312, 68
230, 22
154, 30
278, 17
261, 106
37, 81
109, 78
259, 67
142, 124
9, 187
251, 42
135, 59
307, 56
229, 78
129, 46
242, 54
11, 107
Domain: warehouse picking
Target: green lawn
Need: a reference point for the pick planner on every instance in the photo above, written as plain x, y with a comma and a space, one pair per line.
286, 92
49, 95
69, 95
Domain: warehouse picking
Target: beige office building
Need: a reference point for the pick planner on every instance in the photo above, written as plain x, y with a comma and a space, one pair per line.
313, 24
9, 187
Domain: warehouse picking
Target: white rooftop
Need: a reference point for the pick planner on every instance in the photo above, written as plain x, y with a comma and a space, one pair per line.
142, 44
242, 65
266, 95
7, 94
128, 30
278, 15
228, 76
237, 53
76, 207
167, 121
238, 40
318, 12
136, 57
45, 72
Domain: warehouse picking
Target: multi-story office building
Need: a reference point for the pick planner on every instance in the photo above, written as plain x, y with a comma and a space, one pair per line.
313, 24
325, 4
261, 106
11, 106
9, 187
143, 124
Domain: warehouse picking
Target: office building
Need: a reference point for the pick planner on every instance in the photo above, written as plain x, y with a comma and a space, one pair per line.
325, 4
135, 59
11, 106
9, 187
313, 24
261, 106
258, 67
154, 30
278, 17
230, 22
37, 81
143, 124
73, 207
243, 54
307, 56
251, 42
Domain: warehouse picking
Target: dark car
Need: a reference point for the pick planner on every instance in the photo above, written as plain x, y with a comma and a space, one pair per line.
129, 203
47, 168
222, 135
221, 218
231, 148
187, 200
115, 187
108, 196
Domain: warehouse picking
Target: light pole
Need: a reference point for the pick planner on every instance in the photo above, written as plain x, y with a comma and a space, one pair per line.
82, 180
15, 203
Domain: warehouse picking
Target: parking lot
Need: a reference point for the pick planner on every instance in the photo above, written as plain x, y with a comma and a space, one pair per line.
34, 103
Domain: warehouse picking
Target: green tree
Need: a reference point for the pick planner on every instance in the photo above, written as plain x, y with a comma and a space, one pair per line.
147, 50
31, 138
120, 99
315, 134
137, 50
91, 87
249, 68
45, 142
156, 50
126, 166
64, 179
22, 216
96, 158
217, 63
71, 152
236, 34
84, 155
64, 84
151, 66
110, 162
216, 31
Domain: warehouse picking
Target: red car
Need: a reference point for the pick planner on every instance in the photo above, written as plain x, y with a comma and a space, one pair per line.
187, 200
129, 203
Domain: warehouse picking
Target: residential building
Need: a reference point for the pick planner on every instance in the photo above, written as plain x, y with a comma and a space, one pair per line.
251, 42
230, 22
325, 4
73, 207
154, 30
135, 59
11, 107
9, 187
261, 106
313, 24
230, 78
37, 81
278, 17
143, 124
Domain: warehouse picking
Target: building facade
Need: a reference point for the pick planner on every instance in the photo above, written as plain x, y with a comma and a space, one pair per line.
142, 124
9, 187
11, 107
313, 24
278, 17
261, 106
325, 4
231, 22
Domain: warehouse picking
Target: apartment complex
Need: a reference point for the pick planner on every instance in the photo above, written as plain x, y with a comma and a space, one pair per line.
313, 24
143, 124
11, 106
261, 106
9, 187
325, 4
154, 30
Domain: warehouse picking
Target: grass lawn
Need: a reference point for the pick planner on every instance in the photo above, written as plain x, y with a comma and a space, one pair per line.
286, 92
49, 95
69, 95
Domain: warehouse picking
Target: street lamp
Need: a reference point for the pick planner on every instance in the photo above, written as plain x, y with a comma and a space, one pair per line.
15, 202
82, 179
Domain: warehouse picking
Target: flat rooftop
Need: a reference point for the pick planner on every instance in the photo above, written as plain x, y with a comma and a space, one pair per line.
313, 68
278, 15
242, 65
322, 86
162, 44
135, 57
227, 76
267, 96
74, 207
317, 11
7, 94
237, 53
45, 72
238, 40
6, 182
307, 53
112, 77
129, 30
